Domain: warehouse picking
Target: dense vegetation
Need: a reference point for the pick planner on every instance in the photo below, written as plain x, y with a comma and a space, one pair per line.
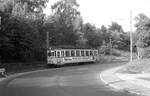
24, 28
143, 30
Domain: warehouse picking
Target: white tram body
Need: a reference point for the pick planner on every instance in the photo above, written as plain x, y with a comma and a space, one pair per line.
64, 56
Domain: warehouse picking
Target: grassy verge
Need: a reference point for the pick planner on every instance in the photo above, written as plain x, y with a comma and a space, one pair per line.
12, 68
137, 66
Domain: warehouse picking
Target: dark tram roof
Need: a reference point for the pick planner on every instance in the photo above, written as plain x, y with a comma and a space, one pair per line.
69, 47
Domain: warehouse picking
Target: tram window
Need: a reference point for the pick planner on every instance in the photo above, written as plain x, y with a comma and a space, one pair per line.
82, 53
91, 53
51, 54
72, 53
55, 53
67, 53
87, 53
77, 53
62, 53
58, 54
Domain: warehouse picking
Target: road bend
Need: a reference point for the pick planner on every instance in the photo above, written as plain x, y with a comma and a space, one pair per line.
83, 80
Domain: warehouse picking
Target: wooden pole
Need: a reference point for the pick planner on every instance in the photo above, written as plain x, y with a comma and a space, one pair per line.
131, 42
47, 45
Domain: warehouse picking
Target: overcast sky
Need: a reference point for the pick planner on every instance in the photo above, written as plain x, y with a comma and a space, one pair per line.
103, 12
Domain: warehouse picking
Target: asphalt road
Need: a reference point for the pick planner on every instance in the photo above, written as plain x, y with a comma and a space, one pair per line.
67, 81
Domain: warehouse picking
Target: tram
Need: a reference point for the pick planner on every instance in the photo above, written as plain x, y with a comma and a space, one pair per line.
64, 56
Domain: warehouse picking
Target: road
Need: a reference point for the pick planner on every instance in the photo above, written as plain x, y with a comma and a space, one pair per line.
67, 81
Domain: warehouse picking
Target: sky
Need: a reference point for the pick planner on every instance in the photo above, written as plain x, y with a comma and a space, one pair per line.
103, 12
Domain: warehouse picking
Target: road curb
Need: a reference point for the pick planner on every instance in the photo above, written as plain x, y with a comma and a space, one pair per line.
111, 85
116, 87
106, 82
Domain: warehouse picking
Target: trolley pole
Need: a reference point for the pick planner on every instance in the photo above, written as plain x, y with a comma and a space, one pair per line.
131, 42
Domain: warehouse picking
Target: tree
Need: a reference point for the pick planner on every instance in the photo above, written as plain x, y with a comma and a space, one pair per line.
78, 25
92, 35
143, 33
143, 30
105, 34
115, 31
64, 14
22, 22
115, 27
66, 10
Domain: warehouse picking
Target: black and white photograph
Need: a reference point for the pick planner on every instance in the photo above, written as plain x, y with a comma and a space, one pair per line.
74, 48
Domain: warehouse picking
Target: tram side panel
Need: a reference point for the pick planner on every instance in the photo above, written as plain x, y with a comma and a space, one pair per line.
78, 59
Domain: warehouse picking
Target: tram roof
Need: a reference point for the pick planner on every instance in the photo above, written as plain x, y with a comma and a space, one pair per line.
69, 47
72, 49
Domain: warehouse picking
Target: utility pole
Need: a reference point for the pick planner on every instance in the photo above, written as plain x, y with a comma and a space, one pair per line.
131, 42
47, 40
110, 41
0, 20
47, 44
0, 29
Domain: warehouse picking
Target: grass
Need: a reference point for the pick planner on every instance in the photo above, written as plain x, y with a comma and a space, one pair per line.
118, 55
12, 68
136, 66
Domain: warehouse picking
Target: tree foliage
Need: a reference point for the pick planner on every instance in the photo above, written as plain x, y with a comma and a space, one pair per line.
117, 35
92, 35
143, 30
61, 23
21, 29
24, 27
